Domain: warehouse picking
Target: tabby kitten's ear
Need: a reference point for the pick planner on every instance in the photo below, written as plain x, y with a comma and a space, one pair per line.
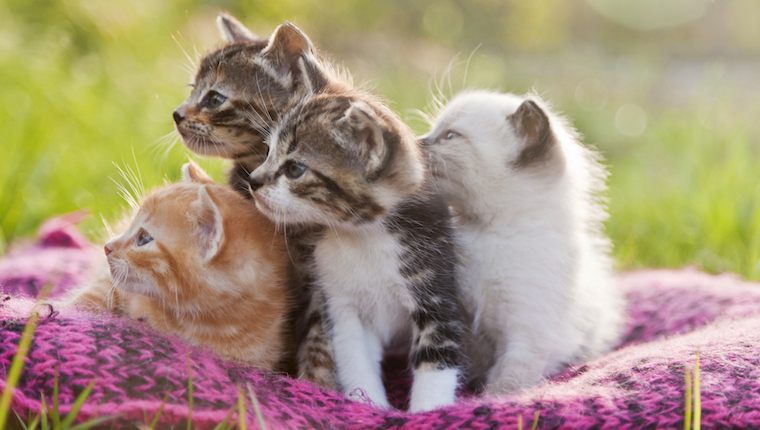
210, 226
532, 125
232, 30
192, 172
363, 122
286, 46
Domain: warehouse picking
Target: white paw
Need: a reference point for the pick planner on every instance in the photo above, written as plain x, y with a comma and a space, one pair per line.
433, 389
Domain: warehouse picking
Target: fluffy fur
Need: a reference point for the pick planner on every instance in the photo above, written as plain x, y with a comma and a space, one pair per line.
242, 88
384, 260
199, 261
536, 273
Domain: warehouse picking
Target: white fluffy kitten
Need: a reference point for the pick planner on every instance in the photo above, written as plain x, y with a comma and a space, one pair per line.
536, 271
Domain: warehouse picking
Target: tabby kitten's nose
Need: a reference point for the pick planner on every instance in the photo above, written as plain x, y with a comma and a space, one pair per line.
108, 248
178, 117
255, 183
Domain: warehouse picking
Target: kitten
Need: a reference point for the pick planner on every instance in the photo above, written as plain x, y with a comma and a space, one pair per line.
536, 272
241, 89
385, 262
199, 261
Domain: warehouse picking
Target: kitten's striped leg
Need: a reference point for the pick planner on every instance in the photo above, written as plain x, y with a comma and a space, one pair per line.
435, 354
315, 353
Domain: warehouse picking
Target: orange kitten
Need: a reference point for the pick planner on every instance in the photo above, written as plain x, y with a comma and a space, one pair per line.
201, 262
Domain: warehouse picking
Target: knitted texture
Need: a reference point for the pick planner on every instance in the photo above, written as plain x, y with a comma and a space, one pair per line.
672, 315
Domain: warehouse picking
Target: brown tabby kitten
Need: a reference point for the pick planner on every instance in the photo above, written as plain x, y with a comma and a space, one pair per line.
384, 261
241, 89
199, 261
239, 92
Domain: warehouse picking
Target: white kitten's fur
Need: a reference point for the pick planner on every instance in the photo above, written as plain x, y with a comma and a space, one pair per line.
536, 271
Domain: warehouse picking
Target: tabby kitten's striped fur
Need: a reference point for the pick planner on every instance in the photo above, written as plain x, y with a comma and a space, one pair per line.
241, 89
200, 262
385, 260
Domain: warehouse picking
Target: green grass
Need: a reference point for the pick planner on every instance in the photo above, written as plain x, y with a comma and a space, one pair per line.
89, 84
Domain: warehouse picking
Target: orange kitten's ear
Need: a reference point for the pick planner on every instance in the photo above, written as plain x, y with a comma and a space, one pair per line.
287, 44
192, 172
362, 120
232, 30
210, 225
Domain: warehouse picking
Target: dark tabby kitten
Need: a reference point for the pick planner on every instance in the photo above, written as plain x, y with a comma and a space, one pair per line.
239, 92
241, 89
384, 261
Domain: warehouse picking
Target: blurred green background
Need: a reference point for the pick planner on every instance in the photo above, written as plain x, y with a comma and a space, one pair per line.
667, 90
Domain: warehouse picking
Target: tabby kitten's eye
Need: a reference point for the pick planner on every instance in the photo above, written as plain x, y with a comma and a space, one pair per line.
294, 170
213, 100
143, 238
451, 135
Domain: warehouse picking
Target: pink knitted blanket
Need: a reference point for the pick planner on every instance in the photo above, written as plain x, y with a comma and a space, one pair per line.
672, 315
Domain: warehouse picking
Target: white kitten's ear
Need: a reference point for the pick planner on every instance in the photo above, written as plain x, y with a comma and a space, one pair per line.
369, 134
210, 225
531, 124
286, 46
232, 30
192, 172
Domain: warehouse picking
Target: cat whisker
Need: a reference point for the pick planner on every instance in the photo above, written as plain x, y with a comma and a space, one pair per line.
166, 142
467, 65
192, 64
261, 96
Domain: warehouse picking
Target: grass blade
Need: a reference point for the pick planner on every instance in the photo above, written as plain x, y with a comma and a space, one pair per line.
93, 422
43, 411
189, 395
241, 410
66, 423
158, 413
33, 424
535, 420
16, 367
54, 416
687, 401
20, 421
256, 409
519, 422
223, 425
697, 397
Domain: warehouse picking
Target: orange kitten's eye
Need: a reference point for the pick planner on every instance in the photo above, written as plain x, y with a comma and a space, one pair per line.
143, 238
450, 134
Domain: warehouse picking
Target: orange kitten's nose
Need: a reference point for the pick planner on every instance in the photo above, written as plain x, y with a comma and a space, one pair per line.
108, 248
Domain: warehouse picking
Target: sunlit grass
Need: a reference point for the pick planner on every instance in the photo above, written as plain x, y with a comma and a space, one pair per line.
82, 92
687, 196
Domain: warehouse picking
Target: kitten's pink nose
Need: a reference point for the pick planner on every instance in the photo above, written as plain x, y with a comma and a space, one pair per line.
108, 248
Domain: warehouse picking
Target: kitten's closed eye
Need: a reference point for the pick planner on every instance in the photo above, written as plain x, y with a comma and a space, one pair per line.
143, 238
451, 134
213, 100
